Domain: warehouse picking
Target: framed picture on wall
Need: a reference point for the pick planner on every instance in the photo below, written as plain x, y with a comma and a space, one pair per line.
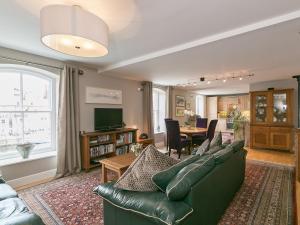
179, 111
103, 96
188, 105
180, 101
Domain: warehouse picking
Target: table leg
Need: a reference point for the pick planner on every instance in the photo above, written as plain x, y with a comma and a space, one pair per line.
104, 174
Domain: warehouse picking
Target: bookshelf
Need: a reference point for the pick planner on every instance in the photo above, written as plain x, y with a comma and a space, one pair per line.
99, 145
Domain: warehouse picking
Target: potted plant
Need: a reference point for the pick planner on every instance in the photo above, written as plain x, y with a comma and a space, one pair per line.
239, 124
25, 149
136, 148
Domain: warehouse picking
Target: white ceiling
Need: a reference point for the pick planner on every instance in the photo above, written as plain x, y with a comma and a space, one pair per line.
172, 42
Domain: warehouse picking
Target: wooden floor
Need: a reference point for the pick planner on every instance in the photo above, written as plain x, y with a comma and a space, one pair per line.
277, 157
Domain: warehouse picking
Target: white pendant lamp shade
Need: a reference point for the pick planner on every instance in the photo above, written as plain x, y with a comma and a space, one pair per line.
73, 31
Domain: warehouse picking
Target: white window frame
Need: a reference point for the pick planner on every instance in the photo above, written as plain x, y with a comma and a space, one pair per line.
54, 79
160, 91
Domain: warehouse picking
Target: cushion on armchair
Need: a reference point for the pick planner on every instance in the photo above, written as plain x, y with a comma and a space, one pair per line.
181, 184
162, 178
138, 176
154, 205
7, 192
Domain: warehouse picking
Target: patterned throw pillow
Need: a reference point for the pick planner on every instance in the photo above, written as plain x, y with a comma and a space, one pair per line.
216, 141
203, 148
138, 176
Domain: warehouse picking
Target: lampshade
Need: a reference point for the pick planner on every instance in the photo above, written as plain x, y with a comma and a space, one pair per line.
73, 31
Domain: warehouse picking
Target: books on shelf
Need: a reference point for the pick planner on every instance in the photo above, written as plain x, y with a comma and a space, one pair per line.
100, 150
122, 150
100, 139
125, 138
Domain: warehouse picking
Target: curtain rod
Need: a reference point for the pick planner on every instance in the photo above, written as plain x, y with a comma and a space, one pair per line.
31, 63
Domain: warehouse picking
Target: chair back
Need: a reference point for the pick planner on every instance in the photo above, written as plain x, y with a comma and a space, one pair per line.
201, 122
173, 134
211, 129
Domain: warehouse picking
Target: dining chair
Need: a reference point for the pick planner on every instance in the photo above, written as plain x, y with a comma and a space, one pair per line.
198, 140
167, 133
174, 138
201, 122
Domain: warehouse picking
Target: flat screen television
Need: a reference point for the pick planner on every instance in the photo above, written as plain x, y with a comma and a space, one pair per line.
108, 119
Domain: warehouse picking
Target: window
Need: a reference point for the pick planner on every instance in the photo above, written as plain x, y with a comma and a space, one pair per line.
27, 110
159, 110
200, 105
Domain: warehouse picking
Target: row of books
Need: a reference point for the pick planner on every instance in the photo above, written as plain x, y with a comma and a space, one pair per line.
125, 138
100, 139
100, 150
122, 150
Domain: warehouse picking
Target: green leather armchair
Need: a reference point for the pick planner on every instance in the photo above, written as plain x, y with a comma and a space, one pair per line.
13, 211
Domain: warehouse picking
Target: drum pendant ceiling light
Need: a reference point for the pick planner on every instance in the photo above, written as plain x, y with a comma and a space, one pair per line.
73, 31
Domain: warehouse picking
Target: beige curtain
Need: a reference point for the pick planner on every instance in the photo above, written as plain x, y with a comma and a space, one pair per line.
68, 150
170, 102
148, 109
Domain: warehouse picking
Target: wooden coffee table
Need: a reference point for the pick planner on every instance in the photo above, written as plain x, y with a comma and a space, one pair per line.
118, 164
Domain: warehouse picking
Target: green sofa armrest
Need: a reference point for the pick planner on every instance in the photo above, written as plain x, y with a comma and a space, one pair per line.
26, 219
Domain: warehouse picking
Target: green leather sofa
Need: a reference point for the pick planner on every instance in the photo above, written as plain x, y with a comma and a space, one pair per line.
13, 211
204, 204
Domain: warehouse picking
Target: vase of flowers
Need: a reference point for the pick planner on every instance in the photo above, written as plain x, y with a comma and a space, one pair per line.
25, 149
136, 148
190, 118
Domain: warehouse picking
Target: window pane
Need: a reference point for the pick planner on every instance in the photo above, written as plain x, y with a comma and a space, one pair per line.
37, 129
10, 91
10, 130
162, 111
36, 93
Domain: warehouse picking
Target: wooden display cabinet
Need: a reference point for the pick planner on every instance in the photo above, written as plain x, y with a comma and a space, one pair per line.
99, 145
272, 119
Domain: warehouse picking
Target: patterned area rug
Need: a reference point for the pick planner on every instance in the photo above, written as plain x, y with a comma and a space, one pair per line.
266, 198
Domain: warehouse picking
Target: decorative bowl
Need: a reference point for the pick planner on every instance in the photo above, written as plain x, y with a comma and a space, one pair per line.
25, 149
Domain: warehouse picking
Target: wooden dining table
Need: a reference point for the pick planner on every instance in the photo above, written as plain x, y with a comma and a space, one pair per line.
190, 131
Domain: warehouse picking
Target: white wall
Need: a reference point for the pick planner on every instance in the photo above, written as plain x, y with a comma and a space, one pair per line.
132, 99
280, 84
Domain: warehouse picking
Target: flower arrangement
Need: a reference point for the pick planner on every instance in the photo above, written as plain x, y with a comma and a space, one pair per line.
191, 117
136, 148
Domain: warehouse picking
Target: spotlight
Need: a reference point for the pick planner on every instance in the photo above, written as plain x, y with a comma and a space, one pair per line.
241, 78
202, 79
224, 81
208, 82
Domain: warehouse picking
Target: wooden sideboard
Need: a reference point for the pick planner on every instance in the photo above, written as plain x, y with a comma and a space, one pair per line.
271, 125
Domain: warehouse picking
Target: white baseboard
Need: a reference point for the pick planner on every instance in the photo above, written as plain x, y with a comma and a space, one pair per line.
32, 178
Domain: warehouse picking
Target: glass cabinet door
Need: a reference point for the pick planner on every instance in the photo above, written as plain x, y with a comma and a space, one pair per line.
280, 108
261, 108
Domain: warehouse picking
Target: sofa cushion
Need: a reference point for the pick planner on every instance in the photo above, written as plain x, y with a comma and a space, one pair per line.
217, 140
12, 207
200, 150
237, 145
162, 178
213, 150
138, 176
222, 155
182, 183
154, 205
6, 192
